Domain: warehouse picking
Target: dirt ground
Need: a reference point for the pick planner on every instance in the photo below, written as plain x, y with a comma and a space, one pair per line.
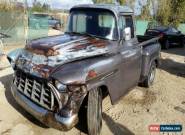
164, 103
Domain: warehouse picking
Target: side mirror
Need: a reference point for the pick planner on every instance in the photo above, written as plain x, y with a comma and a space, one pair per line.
127, 33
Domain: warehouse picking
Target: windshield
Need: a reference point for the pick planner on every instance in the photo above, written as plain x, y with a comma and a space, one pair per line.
96, 23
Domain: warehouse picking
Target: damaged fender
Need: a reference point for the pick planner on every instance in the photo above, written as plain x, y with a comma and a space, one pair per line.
89, 73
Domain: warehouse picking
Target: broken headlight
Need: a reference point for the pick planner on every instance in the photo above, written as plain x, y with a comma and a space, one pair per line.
60, 87
77, 89
64, 96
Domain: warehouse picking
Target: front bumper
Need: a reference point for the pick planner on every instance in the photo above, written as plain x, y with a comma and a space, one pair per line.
48, 118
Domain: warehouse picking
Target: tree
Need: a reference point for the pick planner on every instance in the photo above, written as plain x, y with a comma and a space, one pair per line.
110, 1
171, 12
177, 12
145, 11
38, 7
164, 12
102, 1
6, 6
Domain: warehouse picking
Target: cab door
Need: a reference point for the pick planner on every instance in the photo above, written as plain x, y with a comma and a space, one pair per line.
131, 54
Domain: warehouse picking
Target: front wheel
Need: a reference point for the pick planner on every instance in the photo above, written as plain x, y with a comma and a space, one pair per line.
151, 76
94, 112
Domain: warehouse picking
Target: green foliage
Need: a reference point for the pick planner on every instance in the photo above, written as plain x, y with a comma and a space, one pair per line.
145, 12
177, 12
109, 1
38, 7
164, 12
6, 6
102, 1
122, 2
171, 12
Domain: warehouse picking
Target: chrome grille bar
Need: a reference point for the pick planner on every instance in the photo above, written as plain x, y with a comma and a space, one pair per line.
38, 92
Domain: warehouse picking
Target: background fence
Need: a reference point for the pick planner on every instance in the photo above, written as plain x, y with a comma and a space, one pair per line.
15, 25
142, 25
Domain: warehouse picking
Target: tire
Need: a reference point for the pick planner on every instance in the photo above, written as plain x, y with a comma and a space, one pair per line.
151, 76
182, 44
94, 112
58, 26
166, 45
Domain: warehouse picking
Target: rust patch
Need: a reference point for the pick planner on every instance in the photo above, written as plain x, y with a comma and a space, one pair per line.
92, 74
90, 43
43, 70
46, 52
78, 45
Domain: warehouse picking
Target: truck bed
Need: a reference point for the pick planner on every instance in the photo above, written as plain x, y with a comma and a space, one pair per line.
147, 40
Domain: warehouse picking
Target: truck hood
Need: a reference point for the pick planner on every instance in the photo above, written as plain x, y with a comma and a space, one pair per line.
68, 46
41, 57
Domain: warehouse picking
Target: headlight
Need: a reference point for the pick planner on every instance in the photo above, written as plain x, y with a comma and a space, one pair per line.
61, 87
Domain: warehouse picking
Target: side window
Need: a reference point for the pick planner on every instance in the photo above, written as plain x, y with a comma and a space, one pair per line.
121, 24
105, 21
130, 23
126, 21
79, 23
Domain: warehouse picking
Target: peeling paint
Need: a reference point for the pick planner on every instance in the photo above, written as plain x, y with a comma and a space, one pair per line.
40, 56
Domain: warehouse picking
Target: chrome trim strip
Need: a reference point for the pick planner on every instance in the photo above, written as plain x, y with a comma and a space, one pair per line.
46, 117
57, 94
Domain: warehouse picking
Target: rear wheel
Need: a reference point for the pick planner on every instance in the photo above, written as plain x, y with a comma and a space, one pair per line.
58, 26
182, 44
166, 45
151, 76
94, 112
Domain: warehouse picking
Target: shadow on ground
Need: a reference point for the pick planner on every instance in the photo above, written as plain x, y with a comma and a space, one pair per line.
176, 51
116, 128
173, 67
6, 81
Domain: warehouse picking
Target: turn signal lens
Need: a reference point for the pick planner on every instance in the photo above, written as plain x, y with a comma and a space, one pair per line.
92, 74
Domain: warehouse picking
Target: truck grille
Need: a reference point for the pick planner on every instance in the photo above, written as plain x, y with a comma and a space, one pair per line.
35, 90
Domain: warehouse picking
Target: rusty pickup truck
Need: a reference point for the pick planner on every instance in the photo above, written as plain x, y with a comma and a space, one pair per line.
99, 55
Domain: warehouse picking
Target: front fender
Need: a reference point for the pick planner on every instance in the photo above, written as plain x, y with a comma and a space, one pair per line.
81, 72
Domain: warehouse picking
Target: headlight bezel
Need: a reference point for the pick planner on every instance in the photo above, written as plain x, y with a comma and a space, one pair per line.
62, 88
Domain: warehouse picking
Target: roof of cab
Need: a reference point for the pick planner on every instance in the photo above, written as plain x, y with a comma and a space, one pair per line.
112, 7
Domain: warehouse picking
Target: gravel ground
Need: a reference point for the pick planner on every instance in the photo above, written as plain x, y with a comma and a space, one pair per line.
164, 103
